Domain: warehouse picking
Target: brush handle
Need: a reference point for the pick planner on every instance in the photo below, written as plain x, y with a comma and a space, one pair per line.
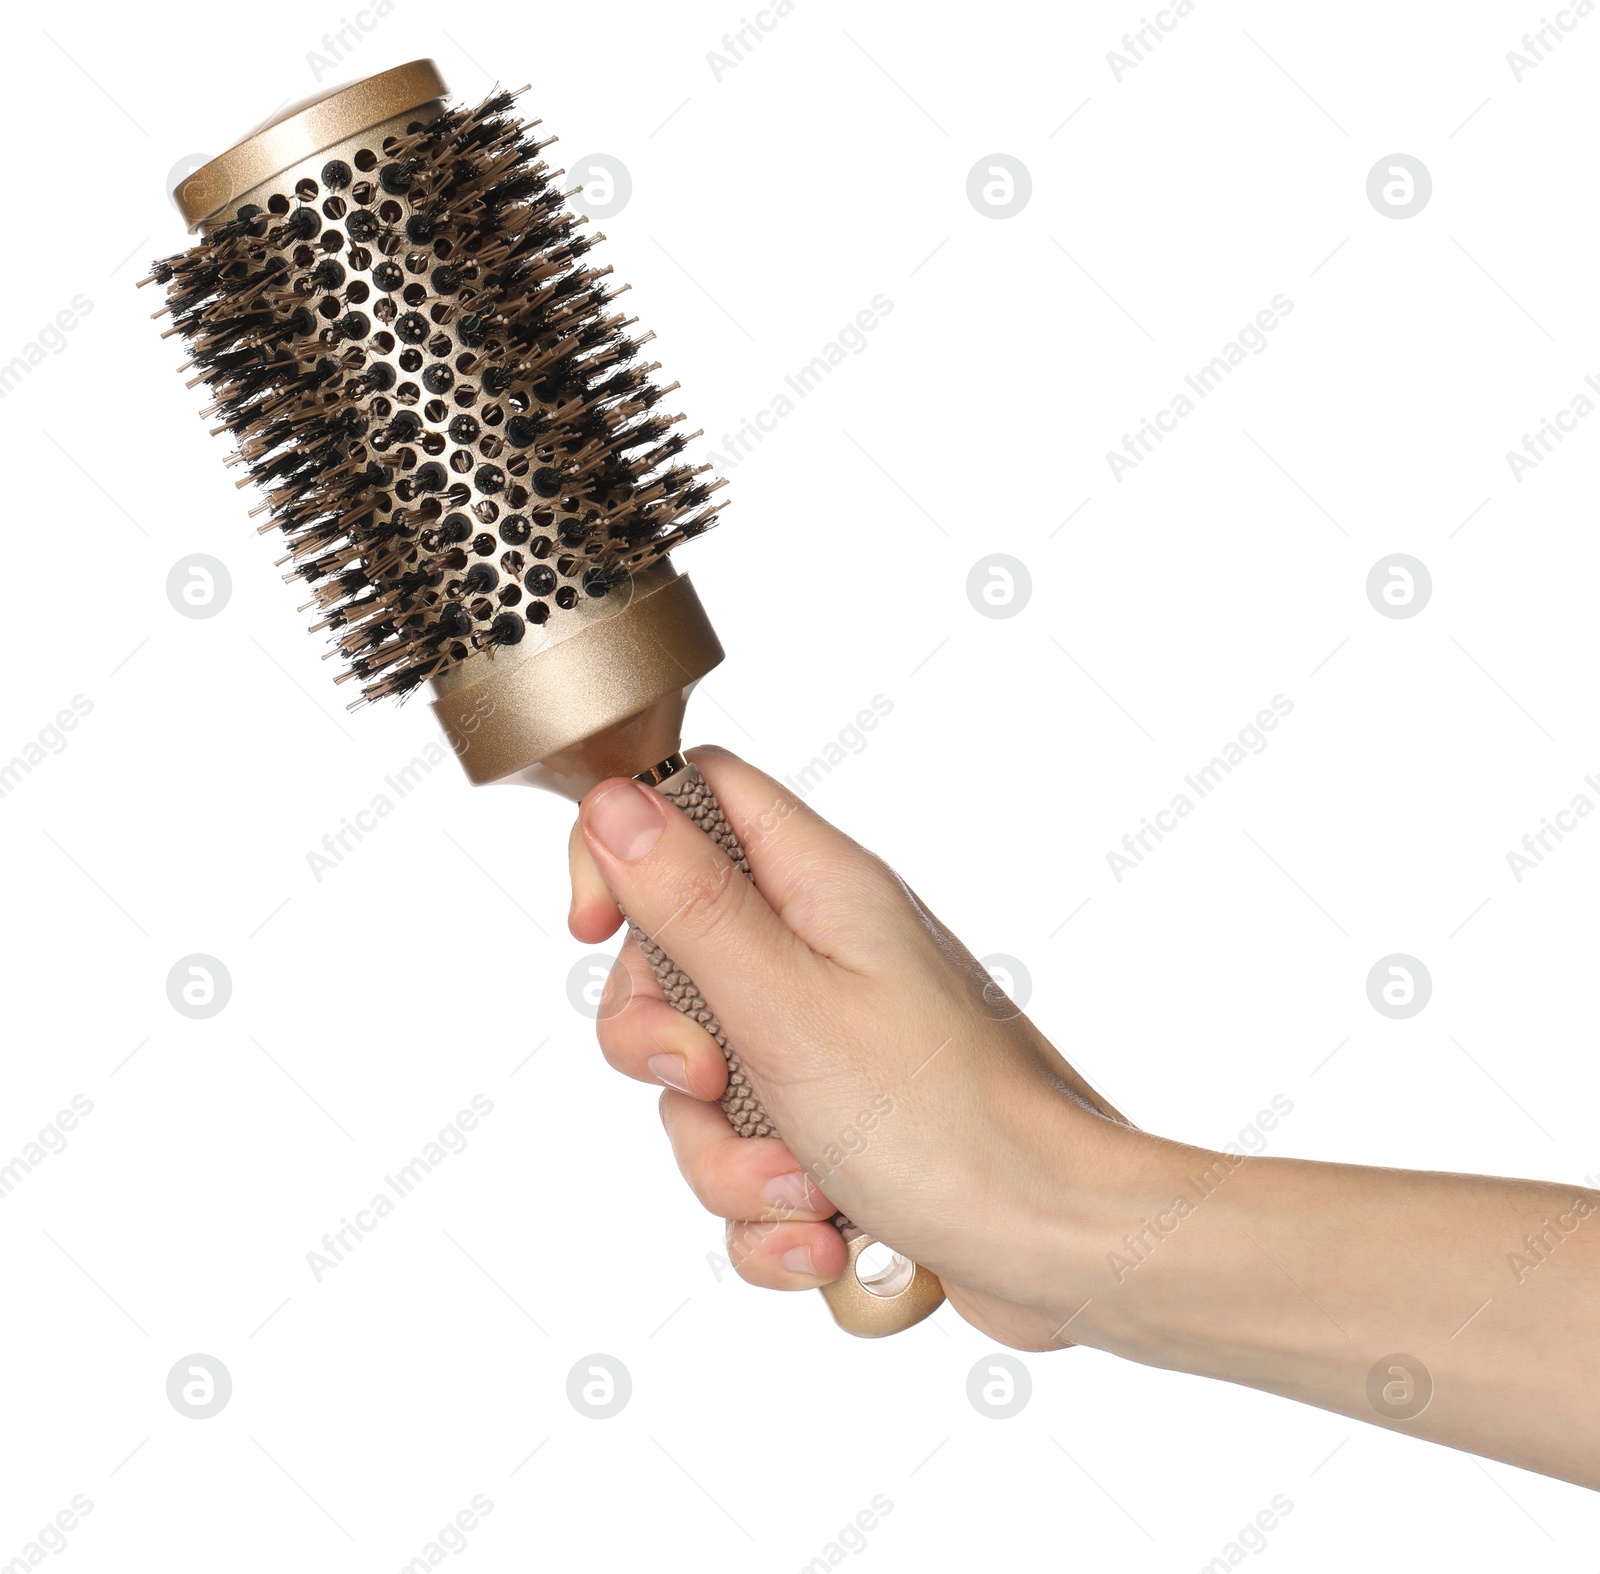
857, 1308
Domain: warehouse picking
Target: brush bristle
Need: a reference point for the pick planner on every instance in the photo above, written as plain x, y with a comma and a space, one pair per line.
449, 420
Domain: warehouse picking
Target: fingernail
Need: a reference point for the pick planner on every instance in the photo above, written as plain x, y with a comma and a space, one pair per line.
626, 819
670, 1069
789, 1192
798, 1259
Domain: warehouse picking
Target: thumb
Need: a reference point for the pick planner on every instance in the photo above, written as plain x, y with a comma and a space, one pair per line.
685, 893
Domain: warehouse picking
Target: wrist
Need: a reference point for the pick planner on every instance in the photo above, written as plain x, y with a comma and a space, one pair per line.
1086, 1181
1122, 1239
1176, 1260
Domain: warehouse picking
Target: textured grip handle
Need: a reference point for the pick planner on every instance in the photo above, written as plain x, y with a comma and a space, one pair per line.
903, 1296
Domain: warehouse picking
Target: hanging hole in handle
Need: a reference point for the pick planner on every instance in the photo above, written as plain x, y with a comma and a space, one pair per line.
883, 1272
890, 1294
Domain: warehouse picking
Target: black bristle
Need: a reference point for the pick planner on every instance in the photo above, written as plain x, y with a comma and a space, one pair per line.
507, 629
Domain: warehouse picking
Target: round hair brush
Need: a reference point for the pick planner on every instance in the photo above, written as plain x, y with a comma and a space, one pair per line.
450, 422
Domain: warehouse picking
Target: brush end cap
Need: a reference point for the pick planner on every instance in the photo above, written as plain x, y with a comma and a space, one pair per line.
302, 129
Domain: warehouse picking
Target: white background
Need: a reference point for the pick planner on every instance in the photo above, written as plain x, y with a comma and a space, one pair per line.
769, 207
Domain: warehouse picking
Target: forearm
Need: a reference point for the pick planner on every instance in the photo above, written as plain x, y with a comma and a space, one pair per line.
1305, 1278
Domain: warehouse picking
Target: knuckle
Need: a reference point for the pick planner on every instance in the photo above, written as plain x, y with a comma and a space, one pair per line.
746, 1237
881, 884
710, 900
616, 1023
713, 1178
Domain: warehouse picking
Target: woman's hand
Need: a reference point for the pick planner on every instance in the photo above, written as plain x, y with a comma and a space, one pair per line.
911, 1093
914, 1096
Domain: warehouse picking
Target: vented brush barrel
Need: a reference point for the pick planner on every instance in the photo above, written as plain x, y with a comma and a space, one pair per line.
445, 411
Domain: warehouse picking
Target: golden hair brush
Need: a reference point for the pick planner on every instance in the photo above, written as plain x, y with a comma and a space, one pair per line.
450, 423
